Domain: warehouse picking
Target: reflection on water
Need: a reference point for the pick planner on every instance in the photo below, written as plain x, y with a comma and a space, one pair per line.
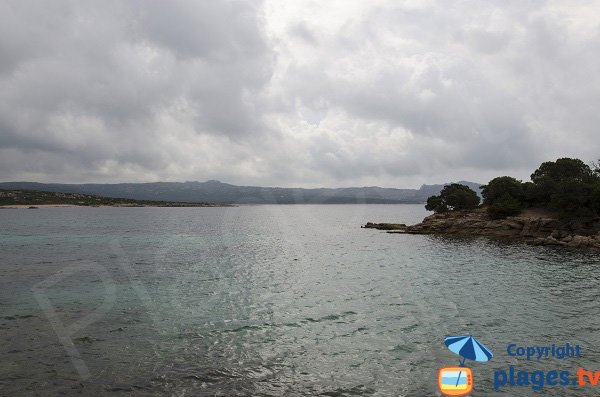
276, 300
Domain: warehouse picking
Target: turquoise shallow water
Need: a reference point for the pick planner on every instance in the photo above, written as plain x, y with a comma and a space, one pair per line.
273, 301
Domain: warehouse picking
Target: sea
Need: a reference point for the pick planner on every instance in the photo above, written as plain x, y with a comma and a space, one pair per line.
278, 300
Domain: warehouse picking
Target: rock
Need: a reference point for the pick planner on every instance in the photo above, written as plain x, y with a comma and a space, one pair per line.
493, 225
579, 241
527, 230
561, 233
514, 224
533, 229
553, 241
567, 239
384, 226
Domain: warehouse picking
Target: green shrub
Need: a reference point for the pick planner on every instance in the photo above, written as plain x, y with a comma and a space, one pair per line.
501, 186
436, 204
554, 178
567, 186
453, 197
505, 206
595, 199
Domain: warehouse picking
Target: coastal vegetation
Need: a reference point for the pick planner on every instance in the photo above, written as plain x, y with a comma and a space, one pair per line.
34, 198
567, 187
453, 197
560, 206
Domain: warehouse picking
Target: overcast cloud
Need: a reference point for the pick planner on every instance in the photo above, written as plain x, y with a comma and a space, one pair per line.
295, 93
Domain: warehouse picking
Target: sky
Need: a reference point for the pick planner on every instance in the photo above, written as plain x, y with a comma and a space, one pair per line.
296, 93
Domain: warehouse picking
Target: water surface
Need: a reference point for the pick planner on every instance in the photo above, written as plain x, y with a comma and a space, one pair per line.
272, 301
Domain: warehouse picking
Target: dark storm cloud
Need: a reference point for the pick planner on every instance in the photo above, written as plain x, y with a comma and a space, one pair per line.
302, 92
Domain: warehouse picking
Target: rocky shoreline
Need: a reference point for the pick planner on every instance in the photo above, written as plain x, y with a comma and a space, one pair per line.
534, 227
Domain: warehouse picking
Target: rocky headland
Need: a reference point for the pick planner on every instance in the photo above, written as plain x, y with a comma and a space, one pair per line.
533, 226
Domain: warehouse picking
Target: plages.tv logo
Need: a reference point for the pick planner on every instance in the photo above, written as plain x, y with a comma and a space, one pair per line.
458, 380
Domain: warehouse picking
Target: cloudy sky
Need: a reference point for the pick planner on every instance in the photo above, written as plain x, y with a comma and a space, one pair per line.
295, 93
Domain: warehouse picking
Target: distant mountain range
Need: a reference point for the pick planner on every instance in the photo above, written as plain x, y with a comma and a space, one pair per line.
219, 192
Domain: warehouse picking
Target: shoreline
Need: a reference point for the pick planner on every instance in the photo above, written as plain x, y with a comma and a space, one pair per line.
41, 206
33, 199
532, 226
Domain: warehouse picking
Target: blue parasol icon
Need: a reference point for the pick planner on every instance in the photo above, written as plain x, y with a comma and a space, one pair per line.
468, 348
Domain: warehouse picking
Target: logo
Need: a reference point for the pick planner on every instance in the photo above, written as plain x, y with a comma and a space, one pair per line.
458, 381
540, 379
455, 381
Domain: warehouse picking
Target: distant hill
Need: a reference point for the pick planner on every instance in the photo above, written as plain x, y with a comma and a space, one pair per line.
219, 192
10, 198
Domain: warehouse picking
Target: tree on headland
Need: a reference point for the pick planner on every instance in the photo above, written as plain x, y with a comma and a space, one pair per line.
436, 204
453, 197
596, 167
565, 186
498, 187
504, 196
554, 178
